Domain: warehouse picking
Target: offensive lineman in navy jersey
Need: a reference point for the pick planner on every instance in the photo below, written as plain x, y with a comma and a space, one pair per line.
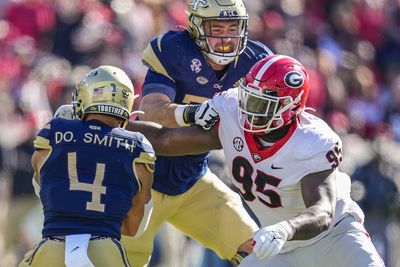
188, 67
95, 177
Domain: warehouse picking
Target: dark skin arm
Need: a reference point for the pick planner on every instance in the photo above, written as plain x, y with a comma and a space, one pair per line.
319, 194
177, 141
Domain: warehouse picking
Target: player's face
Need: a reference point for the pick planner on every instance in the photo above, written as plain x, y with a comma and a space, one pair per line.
222, 36
259, 109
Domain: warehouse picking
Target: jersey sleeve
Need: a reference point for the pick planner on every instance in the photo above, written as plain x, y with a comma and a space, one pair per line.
154, 57
147, 155
321, 149
162, 57
42, 140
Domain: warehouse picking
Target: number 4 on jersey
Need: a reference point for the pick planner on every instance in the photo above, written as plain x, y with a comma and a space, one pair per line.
97, 189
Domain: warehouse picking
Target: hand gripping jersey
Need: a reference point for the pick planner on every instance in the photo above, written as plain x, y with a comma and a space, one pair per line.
178, 69
269, 179
88, 180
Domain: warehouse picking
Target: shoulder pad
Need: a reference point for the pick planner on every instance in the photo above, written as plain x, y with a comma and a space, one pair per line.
140, 140
164, 50
317, 138
42, 140
256, 50
227, 99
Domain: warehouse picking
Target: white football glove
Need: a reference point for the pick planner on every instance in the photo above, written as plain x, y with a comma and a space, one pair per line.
270, 240
206, 115
65, 112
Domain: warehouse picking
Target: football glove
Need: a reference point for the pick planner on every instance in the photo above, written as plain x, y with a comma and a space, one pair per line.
206, 115
270, 240
65, 112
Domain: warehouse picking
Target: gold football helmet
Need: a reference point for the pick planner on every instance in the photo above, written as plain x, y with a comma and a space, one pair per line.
203, 10
104, 90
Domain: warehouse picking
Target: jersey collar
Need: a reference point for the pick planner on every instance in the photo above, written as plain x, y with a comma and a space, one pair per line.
260, 153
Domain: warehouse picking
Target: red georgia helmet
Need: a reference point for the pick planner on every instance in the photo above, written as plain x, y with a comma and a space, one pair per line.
273, 92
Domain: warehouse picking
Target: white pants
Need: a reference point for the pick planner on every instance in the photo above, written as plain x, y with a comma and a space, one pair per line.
347, 245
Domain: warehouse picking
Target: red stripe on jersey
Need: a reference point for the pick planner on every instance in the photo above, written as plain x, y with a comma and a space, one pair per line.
265, 152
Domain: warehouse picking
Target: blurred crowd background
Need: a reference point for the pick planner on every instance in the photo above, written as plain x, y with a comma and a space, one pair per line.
350, 47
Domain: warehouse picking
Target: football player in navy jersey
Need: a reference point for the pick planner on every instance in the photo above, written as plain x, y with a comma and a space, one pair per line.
94, 178
188, 67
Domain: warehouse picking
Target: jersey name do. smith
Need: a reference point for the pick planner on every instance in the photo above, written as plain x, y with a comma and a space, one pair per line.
92, 138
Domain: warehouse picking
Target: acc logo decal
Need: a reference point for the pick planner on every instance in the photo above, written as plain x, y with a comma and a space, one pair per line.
238, 143
294, 79
196, 65
202, 80
195, 3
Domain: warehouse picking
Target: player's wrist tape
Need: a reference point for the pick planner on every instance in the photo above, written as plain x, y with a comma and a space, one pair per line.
185, 114
148, 210
239, 256
36, 186
287, 227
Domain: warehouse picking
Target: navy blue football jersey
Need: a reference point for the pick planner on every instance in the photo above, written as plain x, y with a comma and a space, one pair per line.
178, 69
88, 180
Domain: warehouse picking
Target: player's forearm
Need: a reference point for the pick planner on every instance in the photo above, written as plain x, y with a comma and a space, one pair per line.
191, 140
176, 141
310, 223
319, 196
159, 111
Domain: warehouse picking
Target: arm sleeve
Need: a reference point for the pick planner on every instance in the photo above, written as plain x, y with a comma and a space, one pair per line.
42, 140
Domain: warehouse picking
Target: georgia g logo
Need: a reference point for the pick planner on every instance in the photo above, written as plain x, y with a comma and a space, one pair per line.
294, 79
195, 3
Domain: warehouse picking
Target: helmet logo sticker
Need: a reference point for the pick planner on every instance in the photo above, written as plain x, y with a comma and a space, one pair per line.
195, 3
196, 65
294, 79
125, 94
238, 143
228, 13
256, 157
92, 73
98, 90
